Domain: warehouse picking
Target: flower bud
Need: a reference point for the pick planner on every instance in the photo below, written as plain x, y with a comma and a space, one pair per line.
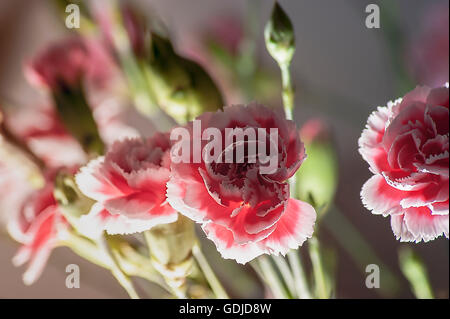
317, 178
171, 251
279, 36
171, 244
72, 203
181, 87
77, 117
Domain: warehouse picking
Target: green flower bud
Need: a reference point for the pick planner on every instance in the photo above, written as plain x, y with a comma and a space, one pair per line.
317, 178
181, 87
72, 203
171, 244
279, 36
171, 251
75, 113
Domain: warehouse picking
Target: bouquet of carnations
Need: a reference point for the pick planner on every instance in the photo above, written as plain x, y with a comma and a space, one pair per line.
135, 159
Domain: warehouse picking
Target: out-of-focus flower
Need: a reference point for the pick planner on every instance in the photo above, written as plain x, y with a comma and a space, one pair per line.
68, 68
66, 64
129, 185
317, 180
38, 226
244, 211
228, 31
15, 187
429, 52
178, 85
136, 29
40, 128
407, 147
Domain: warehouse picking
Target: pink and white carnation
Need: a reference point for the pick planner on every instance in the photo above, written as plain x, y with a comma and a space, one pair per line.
42, 131
129, 185
39, 225
68, 63
245, 212
407, 147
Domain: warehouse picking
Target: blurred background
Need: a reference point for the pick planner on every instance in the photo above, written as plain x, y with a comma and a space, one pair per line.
342, 70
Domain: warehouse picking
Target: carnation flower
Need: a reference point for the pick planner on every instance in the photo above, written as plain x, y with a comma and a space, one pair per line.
129, 185
40, 128
407, 147
429, 51
244, 211
38, 226
65, 64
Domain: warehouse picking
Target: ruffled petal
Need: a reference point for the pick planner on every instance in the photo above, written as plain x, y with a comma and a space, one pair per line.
294, 227
369, 143
425, 226
99, 219
380, 198
97, 183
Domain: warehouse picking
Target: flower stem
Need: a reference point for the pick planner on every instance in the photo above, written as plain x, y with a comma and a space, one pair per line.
271, 278
121, 277
415, 271
210, 276
318, 271
299, 275
288, 104
287, 90
173, 274
286, 273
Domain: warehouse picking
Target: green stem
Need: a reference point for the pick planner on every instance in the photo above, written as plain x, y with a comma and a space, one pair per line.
287, 91
121, 277
288, 104
271, 278
415, 271
301, 284
86, 249
286, 273
178, 288
318, 271
210, 276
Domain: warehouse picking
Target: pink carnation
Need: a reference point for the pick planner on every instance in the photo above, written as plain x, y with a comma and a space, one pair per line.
407, 147
40, 128
68, 63
38, 226
244, 212
129, 185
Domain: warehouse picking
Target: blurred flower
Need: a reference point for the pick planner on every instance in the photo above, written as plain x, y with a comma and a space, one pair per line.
129, 183
429, 51
41, 129
15, 187
244, 212
407, 147
67, 68
228, 31
66, 64
135, 27
317, 180
38, 226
